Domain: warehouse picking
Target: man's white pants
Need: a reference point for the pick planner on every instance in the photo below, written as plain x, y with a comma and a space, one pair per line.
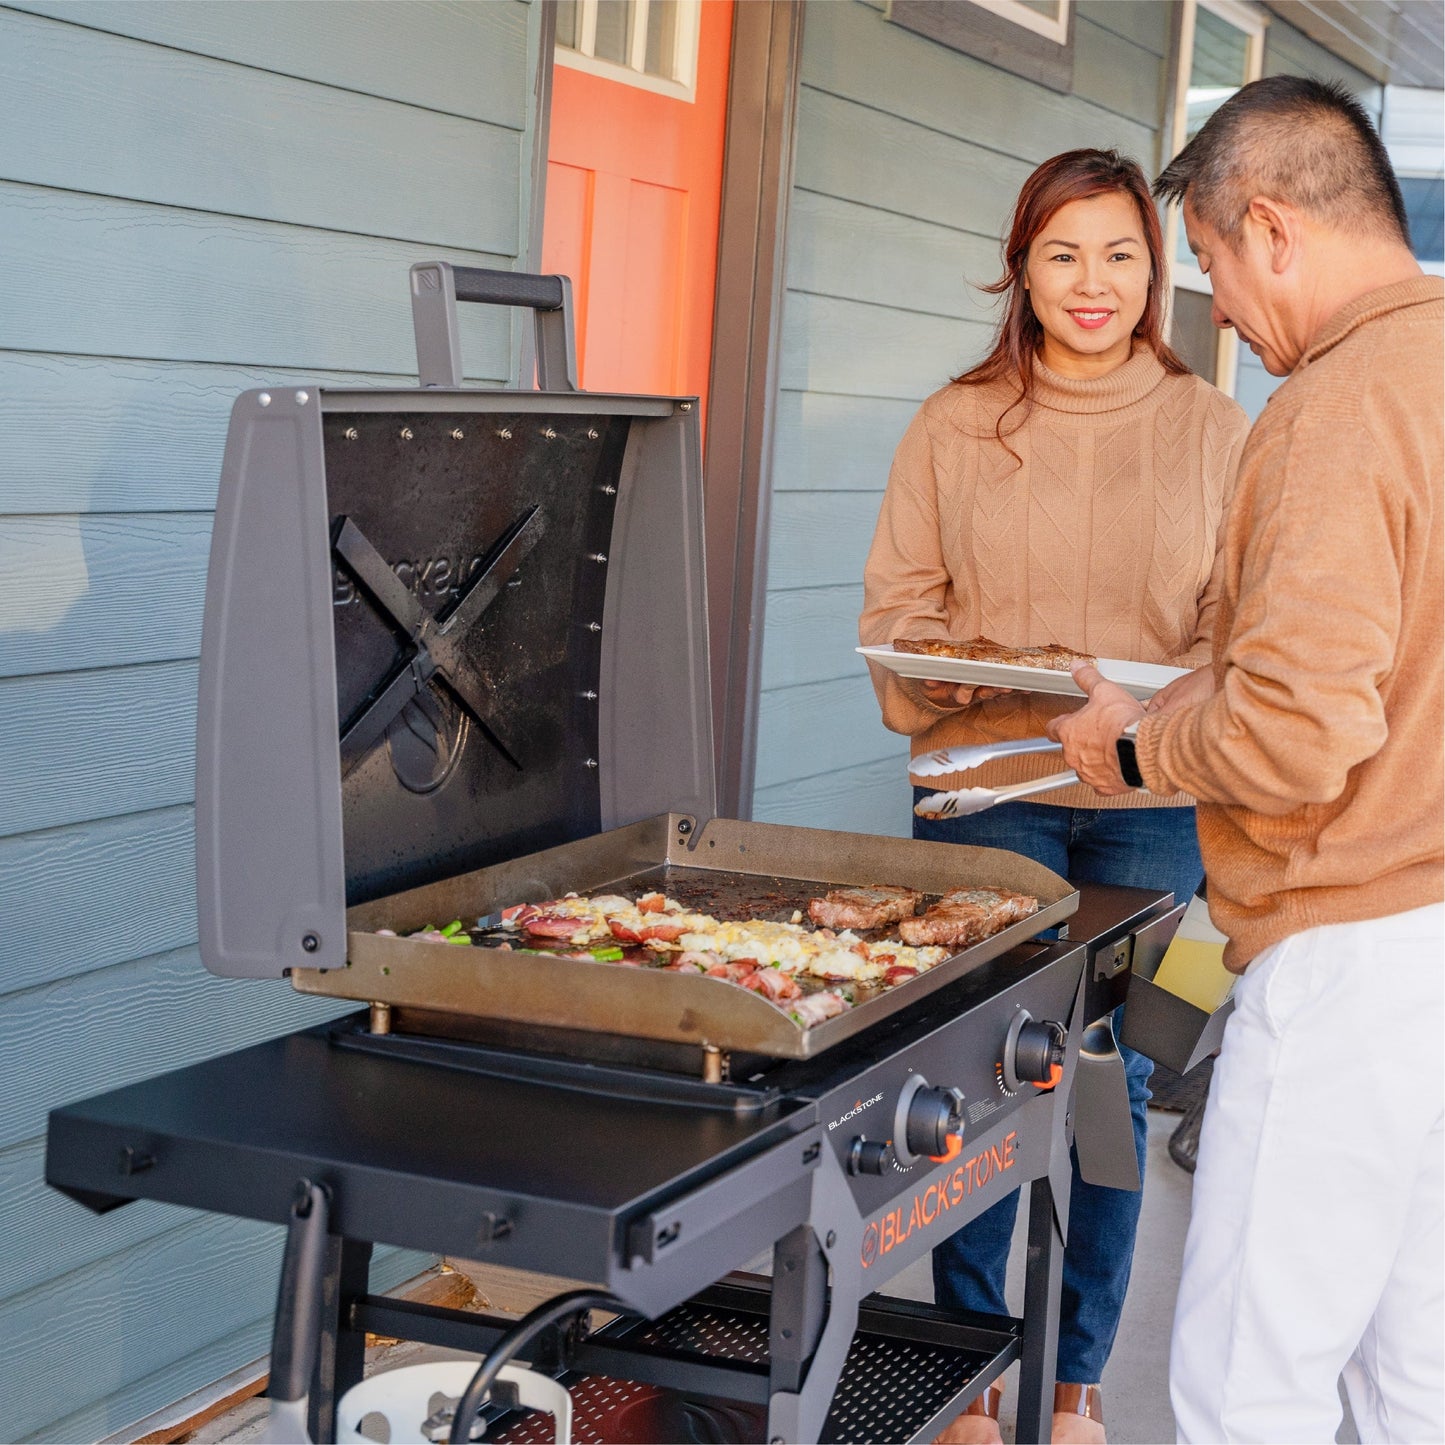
1314, 1243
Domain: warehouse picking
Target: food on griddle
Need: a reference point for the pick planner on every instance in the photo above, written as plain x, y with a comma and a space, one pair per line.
810, 973
984, 649
452, 933
818, 1006
968, 915
865, 907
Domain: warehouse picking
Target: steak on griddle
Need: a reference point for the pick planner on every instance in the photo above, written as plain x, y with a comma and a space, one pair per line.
864, 907
967, 915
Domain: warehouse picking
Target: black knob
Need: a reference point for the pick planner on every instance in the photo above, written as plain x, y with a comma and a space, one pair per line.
934, 1115
1040, 1045
867, 1156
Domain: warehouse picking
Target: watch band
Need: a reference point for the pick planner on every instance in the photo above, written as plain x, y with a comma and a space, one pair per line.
1129, 757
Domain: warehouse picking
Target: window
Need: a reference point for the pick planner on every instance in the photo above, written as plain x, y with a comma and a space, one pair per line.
1221, 48
1031, 38
647, 43
1425, 207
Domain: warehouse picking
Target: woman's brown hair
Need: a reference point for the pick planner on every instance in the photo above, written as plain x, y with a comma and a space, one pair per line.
1072, 176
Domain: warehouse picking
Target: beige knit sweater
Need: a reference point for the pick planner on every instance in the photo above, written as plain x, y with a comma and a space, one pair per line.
1102, 537
1318, 761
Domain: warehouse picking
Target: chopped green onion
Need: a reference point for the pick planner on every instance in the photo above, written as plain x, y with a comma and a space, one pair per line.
607, 955
461, 939
453, 927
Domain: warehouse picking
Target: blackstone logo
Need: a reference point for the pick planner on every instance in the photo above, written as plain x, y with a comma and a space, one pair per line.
855, 1111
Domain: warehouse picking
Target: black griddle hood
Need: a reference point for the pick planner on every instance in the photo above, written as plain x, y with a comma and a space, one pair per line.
443, 628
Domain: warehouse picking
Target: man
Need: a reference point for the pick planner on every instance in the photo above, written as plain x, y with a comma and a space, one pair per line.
1313, 743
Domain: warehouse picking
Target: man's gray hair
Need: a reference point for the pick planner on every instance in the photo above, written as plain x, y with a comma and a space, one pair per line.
1308, 143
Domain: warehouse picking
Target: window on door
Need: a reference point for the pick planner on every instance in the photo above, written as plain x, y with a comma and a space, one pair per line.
647, 43
1221, 49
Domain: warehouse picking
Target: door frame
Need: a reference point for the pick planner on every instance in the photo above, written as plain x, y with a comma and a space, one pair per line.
767, 44
737, 463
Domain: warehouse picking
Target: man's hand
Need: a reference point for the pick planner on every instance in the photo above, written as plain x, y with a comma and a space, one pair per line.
1193, 687
1089, 735
947, 694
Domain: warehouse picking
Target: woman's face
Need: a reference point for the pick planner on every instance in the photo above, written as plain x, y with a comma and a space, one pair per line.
1087, 275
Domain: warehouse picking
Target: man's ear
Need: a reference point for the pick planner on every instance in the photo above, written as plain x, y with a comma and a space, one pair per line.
1277, 228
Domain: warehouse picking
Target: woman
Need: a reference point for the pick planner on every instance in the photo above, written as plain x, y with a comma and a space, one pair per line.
1070, 488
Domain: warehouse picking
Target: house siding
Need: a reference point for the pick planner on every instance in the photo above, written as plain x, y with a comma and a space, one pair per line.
909, 156
192, 203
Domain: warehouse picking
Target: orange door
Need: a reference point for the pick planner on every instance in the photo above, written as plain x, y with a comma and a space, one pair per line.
634, 180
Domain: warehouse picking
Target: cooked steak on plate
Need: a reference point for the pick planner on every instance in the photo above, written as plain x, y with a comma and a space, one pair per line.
984, 649
967, 915
864, 907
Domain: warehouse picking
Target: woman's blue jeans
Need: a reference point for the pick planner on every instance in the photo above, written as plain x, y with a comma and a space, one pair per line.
1133, 848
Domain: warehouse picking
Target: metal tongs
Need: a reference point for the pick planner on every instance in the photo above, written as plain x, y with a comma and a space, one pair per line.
964, 801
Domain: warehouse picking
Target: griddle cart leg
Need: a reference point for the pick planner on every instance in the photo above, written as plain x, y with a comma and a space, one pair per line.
799, 1304
341, 1352
1043, 1275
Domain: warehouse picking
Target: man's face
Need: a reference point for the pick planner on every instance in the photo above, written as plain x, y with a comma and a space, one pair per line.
1248, 295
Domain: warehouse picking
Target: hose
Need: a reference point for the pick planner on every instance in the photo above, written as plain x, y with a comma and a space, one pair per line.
532, 1323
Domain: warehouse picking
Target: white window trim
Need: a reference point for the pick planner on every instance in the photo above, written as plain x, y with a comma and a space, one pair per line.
1253, 22
1056, 30
684, 57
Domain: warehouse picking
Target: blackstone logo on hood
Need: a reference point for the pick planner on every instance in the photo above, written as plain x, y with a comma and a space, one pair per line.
855, 1111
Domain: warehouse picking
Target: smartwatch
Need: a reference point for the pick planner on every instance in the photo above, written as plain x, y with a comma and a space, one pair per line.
1129, 757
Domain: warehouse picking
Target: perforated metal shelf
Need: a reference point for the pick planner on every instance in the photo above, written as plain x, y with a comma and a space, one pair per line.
889, 1390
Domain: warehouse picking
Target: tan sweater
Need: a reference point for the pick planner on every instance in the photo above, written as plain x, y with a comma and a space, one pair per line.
1318, 759
1102, 540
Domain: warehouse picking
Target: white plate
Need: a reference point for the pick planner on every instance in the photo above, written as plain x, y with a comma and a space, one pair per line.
1141, 679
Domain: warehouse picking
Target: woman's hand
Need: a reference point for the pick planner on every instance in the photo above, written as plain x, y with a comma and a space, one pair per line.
1193, 687
948, 694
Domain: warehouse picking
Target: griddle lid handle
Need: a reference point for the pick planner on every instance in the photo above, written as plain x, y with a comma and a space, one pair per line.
437, 286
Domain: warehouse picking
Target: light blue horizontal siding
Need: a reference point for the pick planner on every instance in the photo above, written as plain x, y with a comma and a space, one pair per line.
141, 1294
97, 1031
93, 894
872, 798
859, 349
836, 443
819, 727
48, 1235
909, 157
820, 539
843, 248
186, 285
1119, 75
86, 745
1145, 23
812, 633
196, 200
101, 591
468, 59
150, 123
850, 150
101, 434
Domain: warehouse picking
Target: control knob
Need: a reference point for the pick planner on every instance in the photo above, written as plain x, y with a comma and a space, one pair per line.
935, 1116
928, 1122
867, 1156
1033, 1053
